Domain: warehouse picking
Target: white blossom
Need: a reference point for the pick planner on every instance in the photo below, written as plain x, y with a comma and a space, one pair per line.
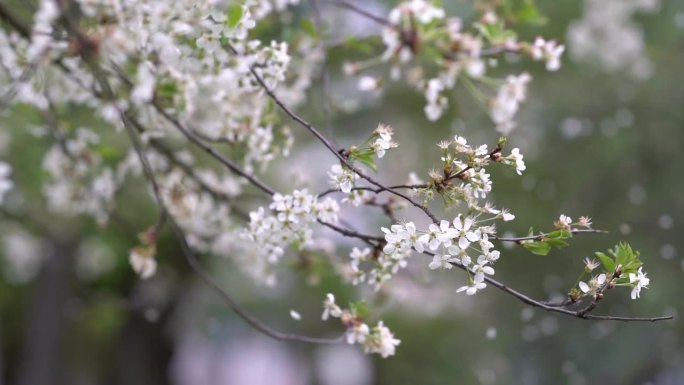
441, 261
143, 262
6, 183
381, 340
357, 334
295, 315
472, 288
594, 284
342, 178
549, 51
640, 281
590, 264
330, 308
368, 83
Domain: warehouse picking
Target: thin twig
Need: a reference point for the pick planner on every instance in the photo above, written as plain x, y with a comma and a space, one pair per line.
377, 190
364, 13
542, 236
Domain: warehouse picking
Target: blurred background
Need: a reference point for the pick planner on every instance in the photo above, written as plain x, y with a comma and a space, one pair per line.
601, 137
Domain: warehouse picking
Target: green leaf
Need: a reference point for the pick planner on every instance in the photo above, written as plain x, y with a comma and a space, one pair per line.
606, 261
234, 15
624, 255
359, 309
356, 44
559, 234
166, 89
366, 157
107, 152
528, 13
558, 243
538, 247
309, 27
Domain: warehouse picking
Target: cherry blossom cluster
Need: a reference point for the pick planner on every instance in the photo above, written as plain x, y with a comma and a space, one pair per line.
621, 266
289, 222
377, 339
464, 179
416, 28
465, 241
193, 62
153, 57
597, 283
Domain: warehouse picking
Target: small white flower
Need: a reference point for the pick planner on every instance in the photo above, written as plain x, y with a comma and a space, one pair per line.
436, 103
384, 140
472, 288
142, 261
441, 261
381, 341
5, 182
595, 283
357, 334
357, 256
549, 51
482, 269
590, 264
464, 234
517, 159
564, 222
367, 83
342, 178
641, 282
295, 315
349, 68
330, 308
506, 215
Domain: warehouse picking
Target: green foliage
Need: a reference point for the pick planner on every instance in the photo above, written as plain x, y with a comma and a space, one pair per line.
365, 156
545, 242
309, 27
621, 255
234, 14
496, 32
523, 12
359, 309
360, 45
